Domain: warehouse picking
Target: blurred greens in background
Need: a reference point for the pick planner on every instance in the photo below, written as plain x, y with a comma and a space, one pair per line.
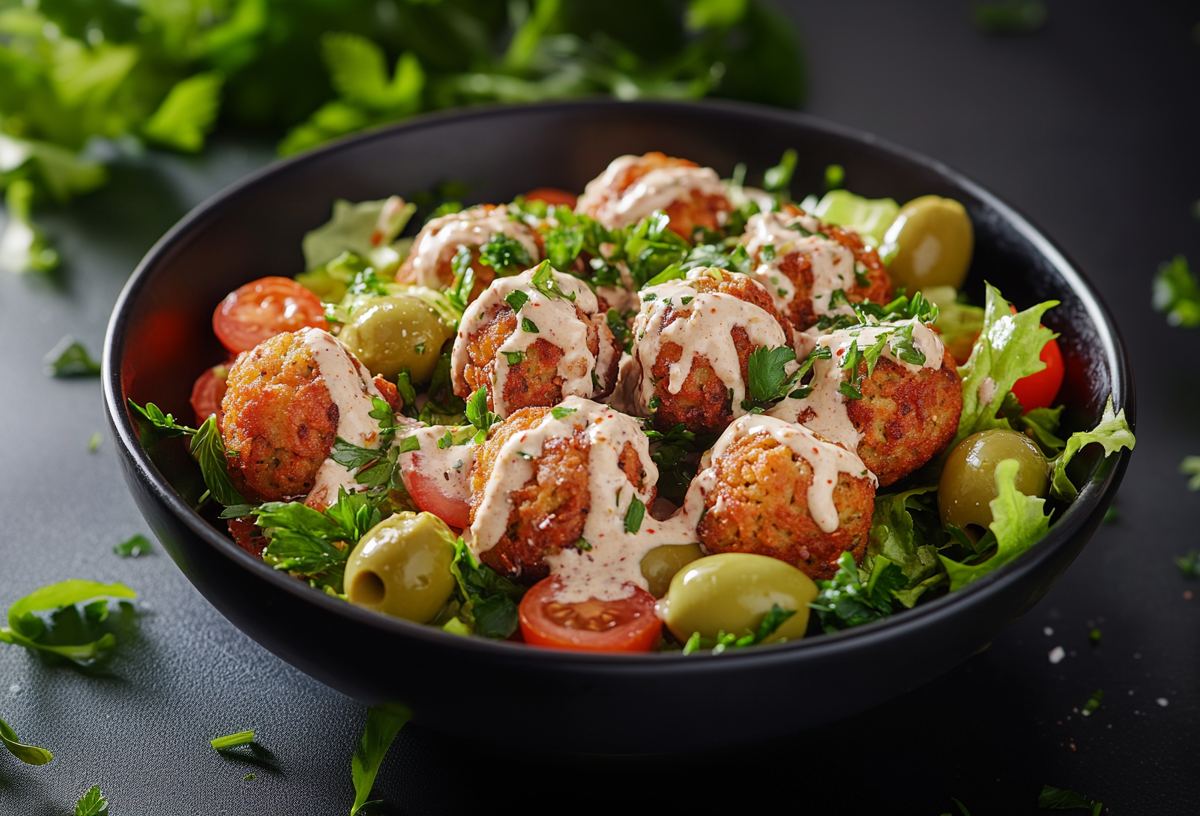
82, 81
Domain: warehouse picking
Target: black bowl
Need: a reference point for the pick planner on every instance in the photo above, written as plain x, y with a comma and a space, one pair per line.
160, 339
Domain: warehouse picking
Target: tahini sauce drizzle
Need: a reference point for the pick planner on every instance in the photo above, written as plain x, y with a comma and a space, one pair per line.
472, 228
450, 467
828, 403
832, 264
702, 327
826, 460
613, 563
556, 322
656, 190
351, 389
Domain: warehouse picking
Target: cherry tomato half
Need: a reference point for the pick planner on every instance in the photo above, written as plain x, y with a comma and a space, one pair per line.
425, 490
1039, 390
208, 392
264, 308
625, 625
552, 196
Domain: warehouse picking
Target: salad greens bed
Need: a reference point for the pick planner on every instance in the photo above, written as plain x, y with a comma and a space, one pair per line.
910, 553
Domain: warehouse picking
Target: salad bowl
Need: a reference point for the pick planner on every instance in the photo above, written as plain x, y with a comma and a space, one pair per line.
159, 339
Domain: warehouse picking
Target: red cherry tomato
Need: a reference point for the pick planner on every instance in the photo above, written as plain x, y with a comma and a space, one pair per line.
428, 494
552, 196
1039, 390
625, 625
264, 308
208, 392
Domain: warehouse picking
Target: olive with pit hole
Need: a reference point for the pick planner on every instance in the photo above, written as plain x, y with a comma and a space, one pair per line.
390, 333
732, 593
968, 482
660, 565
402, 567
929, 244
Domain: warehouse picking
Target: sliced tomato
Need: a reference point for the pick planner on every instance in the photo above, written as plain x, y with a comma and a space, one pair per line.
208, 392
264, 308
552, 196
429, 494
625, 625
1039, 390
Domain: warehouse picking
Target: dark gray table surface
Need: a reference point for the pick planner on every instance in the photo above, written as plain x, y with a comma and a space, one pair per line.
1088, 126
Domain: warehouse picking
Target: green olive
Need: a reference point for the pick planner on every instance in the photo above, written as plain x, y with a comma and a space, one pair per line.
930, 243
732, 592
402, 567
660, 565
389, 333
968, 482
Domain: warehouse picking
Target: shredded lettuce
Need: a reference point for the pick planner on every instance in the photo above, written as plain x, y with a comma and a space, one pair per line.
896, 538
1112, 434
367, 229
869, 217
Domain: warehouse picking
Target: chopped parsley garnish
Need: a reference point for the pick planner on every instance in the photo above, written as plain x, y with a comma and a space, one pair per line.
835, 176
582, 545
1094, 636
516, 300
1093, 703
620, 330
233, 740
725, 641
654, 404
133, 547
29, 754
504, 254
479, 415
767, 253
844, 601
27, 629
410, 444
514, 357
634, 515
459, 293
1189, 564
544, 281
652, 248
94, 442
670, 453
560, 412
777, 179
70, 359
487, 600
383, 724
768, 380
92, 803
419, 348
528, 326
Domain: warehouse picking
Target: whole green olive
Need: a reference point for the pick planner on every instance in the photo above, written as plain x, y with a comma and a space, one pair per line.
389, 333
968, 482
660, 565
930, 244
401, 567
732, 592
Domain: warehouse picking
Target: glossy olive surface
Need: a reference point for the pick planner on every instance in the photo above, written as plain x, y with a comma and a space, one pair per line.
401, 567
660, 565
732, 593
968, 482
390, 333
933, 240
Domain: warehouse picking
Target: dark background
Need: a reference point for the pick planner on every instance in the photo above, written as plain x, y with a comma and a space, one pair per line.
1089, 126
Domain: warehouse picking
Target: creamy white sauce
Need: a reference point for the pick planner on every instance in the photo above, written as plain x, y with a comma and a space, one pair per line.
351, 389
470, 228
556, 322
702, 328
832, 264
827, 402
826, 460
450, 467
613, 564
987, 391
656, 190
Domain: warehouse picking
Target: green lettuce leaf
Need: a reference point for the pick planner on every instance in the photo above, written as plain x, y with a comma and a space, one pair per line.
1018, 522
896, 538
366, 229
1112, 433
869, 217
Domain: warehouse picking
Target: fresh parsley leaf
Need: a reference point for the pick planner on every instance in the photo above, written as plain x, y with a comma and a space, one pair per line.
582, 545
903, 531
767, 373
1190, 466
504, 254
514, 357
92, 803
208, 450
634, 515
29, 754
24, 628
233, 740
1112, 433
1189, 564
652, 247
672, 453
516, 300
770, 623
188, 113
778, 179
409, 444
383, 724
70, 359
528, 326
306, 541
352, 456
133, 547
479, 415
489, 600
562, 412
543, 280
845, 601
1177, 293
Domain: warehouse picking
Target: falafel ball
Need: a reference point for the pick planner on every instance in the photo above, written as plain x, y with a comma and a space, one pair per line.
777, 489
430, 263
531, 483
555, 343
692, 344
802, 261
633, 187
907, 413
280, 420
